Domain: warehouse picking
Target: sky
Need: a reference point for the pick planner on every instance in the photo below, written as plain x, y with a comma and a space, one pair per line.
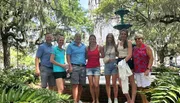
84, 3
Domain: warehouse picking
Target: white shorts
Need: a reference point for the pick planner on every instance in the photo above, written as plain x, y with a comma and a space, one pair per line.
142, 80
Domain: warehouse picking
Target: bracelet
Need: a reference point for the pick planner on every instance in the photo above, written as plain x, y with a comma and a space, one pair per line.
147, 68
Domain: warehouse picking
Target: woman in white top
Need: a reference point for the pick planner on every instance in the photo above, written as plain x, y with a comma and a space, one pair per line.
124, 48
110, 67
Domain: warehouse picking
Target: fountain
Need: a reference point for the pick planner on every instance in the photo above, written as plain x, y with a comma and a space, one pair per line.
121, 12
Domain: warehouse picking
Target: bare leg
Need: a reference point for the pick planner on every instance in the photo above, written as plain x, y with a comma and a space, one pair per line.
75, 92
128, 98
60, 85
91, 86
133, 87
115, 86
80, 89
143, 96
126, 95
96, 89
108, 88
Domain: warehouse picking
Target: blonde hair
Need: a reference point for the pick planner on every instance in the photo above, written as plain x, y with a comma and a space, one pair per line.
138, 35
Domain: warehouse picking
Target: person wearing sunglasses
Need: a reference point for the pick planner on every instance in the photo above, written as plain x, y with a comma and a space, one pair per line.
143, 60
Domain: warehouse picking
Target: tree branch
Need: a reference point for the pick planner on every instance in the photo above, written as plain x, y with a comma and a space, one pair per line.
167, 19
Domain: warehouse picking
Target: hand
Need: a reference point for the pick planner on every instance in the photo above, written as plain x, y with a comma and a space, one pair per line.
146, 73
70, 69
66, 66
37, 72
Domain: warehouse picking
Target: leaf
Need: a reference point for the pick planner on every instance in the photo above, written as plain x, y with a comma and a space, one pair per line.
173, 94
38, 98
157, 97
25, 95
159, 94
33, 94
3, 96
171, 98
18, 94
10, 95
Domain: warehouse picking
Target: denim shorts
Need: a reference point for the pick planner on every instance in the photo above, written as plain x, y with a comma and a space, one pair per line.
93, 71
47, 76
110, 68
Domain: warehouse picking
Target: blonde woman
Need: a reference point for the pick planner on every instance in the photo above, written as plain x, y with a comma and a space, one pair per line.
110, 67
143, 60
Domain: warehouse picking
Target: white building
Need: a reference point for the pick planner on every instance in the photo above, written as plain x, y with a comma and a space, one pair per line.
102, 27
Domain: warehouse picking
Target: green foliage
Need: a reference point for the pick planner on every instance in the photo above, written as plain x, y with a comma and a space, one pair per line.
23, 60
24, 94
157, 20
10, 77
165, 88
163, 69
24, 22
14, 88
164, 39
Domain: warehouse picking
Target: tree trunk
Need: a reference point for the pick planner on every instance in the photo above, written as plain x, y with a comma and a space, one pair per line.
161, 56
6, 52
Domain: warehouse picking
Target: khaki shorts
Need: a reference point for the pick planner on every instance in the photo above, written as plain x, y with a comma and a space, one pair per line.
78, 75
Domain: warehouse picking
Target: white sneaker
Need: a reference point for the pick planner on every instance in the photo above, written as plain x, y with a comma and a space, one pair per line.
109, 100
115, 100
80, 101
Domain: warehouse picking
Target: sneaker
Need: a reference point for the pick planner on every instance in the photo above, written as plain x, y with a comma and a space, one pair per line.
109, 100
115, 100
80, 101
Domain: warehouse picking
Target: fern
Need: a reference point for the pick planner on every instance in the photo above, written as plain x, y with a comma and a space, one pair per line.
29, 95
164, 89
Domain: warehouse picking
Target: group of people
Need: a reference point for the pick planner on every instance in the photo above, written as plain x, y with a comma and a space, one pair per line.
82, 61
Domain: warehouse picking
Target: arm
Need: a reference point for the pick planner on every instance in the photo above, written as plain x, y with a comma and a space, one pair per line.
129, 51
39, 54
56, 63
150, 55
68, 57
116, 48
86, 53
69, 62
101, 51
37, 71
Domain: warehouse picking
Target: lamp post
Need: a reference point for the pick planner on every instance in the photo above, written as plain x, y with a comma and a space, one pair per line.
121, 12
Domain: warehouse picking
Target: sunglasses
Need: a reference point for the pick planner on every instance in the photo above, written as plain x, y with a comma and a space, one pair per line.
137, 38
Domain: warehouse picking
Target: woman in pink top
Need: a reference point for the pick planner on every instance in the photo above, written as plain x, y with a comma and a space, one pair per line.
143, 60
94, 52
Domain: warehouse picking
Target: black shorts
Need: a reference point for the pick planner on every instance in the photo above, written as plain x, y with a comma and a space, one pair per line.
59, 75
129, 62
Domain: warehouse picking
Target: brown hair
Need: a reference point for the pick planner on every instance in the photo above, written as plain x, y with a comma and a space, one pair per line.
125, 44
113, 41
92, 35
